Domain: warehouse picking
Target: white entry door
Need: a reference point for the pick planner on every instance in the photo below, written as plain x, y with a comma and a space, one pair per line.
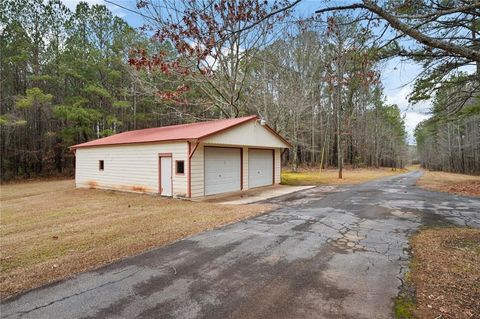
260, 168
222, 170
166, 176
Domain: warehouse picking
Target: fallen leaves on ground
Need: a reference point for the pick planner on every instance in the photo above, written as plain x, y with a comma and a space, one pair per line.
461, 184
446, 273
466, 188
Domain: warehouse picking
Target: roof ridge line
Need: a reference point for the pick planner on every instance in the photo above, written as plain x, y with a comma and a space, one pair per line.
129, 136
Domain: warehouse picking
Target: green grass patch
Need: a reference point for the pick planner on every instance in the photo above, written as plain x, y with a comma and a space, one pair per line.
405, 303
301, 178
330, 176
404, 307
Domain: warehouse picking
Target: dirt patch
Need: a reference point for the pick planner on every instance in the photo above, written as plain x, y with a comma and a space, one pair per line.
445, 273
92, 184
138, 188
50, 231
450, 182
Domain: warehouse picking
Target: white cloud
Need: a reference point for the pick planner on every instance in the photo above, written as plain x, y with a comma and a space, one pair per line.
72, 4
399, 97
411, 121
414, 114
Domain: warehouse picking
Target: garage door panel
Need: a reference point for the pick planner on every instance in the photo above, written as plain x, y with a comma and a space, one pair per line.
222, 170
260, 168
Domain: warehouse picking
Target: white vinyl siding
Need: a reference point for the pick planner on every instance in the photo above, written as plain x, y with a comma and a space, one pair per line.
134, 167
222, 170
245, 168
197, 177
247, 134
278, 165
131, 168
260, 168
250, 134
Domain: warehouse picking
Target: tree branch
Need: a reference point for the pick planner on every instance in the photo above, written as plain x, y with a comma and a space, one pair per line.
397, 24
267, 16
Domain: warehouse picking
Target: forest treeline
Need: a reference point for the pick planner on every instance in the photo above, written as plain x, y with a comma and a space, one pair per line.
72, 76
451, 142
64, 80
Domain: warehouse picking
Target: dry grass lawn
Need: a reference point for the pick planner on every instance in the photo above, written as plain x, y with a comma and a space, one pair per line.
450, 182
445, 273
49, 230
330, 176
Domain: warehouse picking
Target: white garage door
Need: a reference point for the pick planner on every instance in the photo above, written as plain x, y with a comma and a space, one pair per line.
260, 168
222, 170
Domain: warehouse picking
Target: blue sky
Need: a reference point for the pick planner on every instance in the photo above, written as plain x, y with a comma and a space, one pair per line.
397, 76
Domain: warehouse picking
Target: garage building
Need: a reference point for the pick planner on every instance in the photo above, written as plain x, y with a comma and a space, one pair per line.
189, 160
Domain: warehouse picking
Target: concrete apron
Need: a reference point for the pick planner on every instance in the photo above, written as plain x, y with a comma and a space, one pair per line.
253, 195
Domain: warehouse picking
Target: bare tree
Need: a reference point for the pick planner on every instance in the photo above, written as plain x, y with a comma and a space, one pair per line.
215, 42
446, 34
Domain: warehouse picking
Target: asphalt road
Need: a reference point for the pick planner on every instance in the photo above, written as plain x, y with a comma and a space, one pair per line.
326, 253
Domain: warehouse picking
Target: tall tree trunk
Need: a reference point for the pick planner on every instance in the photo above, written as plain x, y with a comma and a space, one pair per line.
295, 144
339, 134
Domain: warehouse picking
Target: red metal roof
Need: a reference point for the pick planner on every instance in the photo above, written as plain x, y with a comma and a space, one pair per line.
191, 131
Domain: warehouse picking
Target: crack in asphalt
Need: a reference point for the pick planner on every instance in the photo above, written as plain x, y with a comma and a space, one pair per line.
325, 252
22, 313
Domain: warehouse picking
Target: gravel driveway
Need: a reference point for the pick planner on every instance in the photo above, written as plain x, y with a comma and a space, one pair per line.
328, 252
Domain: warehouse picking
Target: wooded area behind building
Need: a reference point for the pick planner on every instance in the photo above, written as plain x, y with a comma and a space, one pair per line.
70, 77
